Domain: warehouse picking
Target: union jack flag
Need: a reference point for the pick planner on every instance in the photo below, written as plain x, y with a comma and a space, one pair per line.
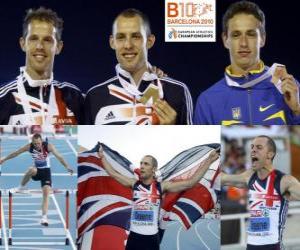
104, 205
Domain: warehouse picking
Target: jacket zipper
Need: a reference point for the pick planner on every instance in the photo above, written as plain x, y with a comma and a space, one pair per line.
134, 108
42, 103
249, 106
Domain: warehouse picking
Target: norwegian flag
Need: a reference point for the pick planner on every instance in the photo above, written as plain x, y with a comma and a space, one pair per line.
104, 205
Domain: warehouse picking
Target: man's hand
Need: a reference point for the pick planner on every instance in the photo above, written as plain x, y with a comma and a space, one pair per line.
100, 152
158, 72
70, 170
290, 91
124, 180
166, 114
214, 155
1, 161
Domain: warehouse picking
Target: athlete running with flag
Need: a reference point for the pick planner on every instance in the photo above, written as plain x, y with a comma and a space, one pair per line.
147, 196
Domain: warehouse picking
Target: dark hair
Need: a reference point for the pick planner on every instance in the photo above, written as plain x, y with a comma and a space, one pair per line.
271, 144
245, 7
153, 159
43, 14
36, 136
132, 13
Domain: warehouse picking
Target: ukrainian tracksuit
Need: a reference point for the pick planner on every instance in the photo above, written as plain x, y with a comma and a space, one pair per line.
261, 104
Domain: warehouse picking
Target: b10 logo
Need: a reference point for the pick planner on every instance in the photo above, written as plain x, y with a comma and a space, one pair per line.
187, 9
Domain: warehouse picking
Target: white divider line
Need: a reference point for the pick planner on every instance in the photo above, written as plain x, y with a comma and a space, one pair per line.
34, 195
33, 248
67, 153
40, 238
63, 222
177, 238
71, 146
27, 228
4, 227
28, 243
208, 226
200, 238
22, 174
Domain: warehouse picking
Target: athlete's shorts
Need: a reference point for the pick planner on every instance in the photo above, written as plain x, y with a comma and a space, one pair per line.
43, 175
264, 247
139, 241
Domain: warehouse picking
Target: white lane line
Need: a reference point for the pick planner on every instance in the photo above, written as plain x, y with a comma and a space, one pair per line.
34, 248
196, 230
4, 227
218, 237
71, 146
32, 228
33, 243
24, 204
63, 222
67, 153
172, 223
177, 239
40, 238
22, 174
35, 195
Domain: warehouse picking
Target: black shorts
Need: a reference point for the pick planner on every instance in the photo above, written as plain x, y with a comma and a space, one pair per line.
264, 247
139, 241
43, 175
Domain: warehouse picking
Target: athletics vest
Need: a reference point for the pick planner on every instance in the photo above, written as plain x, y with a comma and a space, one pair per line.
268, 209
145, 208
40, 157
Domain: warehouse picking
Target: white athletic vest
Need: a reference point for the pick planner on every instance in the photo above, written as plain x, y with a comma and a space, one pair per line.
268, 209
145, 208
40, 157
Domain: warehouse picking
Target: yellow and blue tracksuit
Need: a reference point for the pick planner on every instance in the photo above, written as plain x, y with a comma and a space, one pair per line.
261, 104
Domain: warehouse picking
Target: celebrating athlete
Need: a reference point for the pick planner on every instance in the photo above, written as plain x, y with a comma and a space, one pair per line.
147, 196
269, 193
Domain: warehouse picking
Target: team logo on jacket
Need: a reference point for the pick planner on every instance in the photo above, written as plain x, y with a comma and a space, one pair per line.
110, 116
236, 113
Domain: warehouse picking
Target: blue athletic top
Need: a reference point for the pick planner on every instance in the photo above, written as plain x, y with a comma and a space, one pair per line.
261, 104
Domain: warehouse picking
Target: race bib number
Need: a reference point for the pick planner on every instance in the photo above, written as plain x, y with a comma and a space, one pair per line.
145, 216
259, 224
40, 164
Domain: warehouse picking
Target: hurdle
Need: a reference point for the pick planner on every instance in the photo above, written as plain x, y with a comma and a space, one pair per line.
9, 218
39, 243
67, 215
